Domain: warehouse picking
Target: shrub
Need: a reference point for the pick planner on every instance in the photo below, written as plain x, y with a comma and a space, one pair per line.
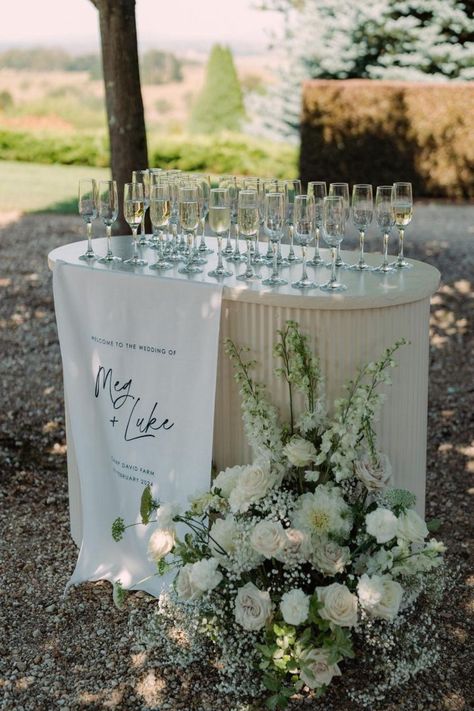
70, 149
378, 132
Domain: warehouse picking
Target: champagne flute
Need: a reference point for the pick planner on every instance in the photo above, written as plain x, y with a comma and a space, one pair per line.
385, 220
402, 203
230, 183
362, 215
274, 221
160, 217
303, 222
248, 223
204, 182
269, 185
334, 225
133, 208
108, 211
341, 190
189, 216
87, 206
292, 189
257, 184
219, 222
143, 177
317, 190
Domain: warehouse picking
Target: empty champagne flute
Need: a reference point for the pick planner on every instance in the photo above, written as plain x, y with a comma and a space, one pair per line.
143, 177
133, 208
189, 215
292, 189
219, 222
385, 220
204, 182
248, 224
108, 211
87, 206
362, 215
160, 216
402, 203
274, 221
317, 190
303, 222
334, 225
231, 183
257, 184
341, 190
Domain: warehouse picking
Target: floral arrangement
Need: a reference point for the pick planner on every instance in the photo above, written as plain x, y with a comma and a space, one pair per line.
305, 559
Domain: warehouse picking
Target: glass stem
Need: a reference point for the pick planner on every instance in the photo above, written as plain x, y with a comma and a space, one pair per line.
203, 230
228, 246
174, 238
316, 248
385, 249
220, 264
159, 252
249, 270
135, 243
89, 237
190, 237
401, 236
333, 264
108, 231
237, 247
304, 275
291, 232
361, 246
142, 229
338, 254
275, 260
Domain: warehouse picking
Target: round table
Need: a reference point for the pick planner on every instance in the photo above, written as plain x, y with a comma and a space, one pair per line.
347, 330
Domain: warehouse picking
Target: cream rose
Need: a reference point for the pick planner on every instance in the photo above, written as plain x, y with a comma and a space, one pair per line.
411, 527
252, 607
300, 452
267, 538
374, 476
339, 605
380, 596
329, 557
227, 479
166, 514
295, 546
160, 544
294, 607
185, 587
204, 575
382, 524
223, 538
315, 668
253, 483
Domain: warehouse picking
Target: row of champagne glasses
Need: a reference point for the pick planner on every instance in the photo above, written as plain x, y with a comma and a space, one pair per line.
163, 192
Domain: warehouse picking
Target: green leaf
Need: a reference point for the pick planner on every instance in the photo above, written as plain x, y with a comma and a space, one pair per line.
434, 525
271, 683
146, 505
118, 594
118, 529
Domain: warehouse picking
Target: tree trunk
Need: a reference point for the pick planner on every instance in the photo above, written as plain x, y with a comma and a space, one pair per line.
125, 116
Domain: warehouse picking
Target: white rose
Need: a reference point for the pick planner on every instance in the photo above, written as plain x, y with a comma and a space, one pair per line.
166, 514
382, 524
375, 476
184, 586
295, 546
340, 605
160, 544
380, 596
294, 607
252, 607
252, 485
329, 557
223, 537
300, 452
204, 575
267, 538
411, 527
227, 479
315, 668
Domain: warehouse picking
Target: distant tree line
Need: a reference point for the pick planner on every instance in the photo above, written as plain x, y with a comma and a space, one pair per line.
156, 67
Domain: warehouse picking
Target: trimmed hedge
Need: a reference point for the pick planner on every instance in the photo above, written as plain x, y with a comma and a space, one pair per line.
366, 131
68, 149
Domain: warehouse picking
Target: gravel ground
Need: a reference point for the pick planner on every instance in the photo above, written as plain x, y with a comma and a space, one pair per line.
78, 653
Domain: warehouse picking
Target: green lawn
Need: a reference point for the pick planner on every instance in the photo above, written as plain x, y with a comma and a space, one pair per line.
32, 187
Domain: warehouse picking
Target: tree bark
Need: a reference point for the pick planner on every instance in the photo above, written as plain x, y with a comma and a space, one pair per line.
125, 115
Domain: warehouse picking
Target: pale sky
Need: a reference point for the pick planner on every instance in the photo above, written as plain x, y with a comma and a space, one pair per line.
75, 22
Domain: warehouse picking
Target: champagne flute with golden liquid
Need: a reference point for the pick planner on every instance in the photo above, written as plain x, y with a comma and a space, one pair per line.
402, 205
133, 211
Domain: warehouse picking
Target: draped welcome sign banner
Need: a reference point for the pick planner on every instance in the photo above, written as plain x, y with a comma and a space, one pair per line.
139, 362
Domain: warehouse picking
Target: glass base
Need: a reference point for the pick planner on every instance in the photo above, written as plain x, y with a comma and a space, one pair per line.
283, 262
190, 269
384, 269
315, 262
199, 259
236, 258
294, 259
162, 265
136, 262
228, 250
205, 250
304, 284
261, 259
144, 243
339, 265
332, 286
403, 264
360, 267
274, 281
220, 272
109, 260
245, 277
175, 258
88, 257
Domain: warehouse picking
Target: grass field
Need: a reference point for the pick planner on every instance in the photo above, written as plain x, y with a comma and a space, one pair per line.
31, 187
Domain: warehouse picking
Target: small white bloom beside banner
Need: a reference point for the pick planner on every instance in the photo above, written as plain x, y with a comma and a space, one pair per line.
139, 363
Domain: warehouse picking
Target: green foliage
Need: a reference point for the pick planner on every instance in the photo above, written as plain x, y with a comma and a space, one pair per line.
160, 67
68, 149
6, 100
219, 107
118, 595
146, 505
118, 529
